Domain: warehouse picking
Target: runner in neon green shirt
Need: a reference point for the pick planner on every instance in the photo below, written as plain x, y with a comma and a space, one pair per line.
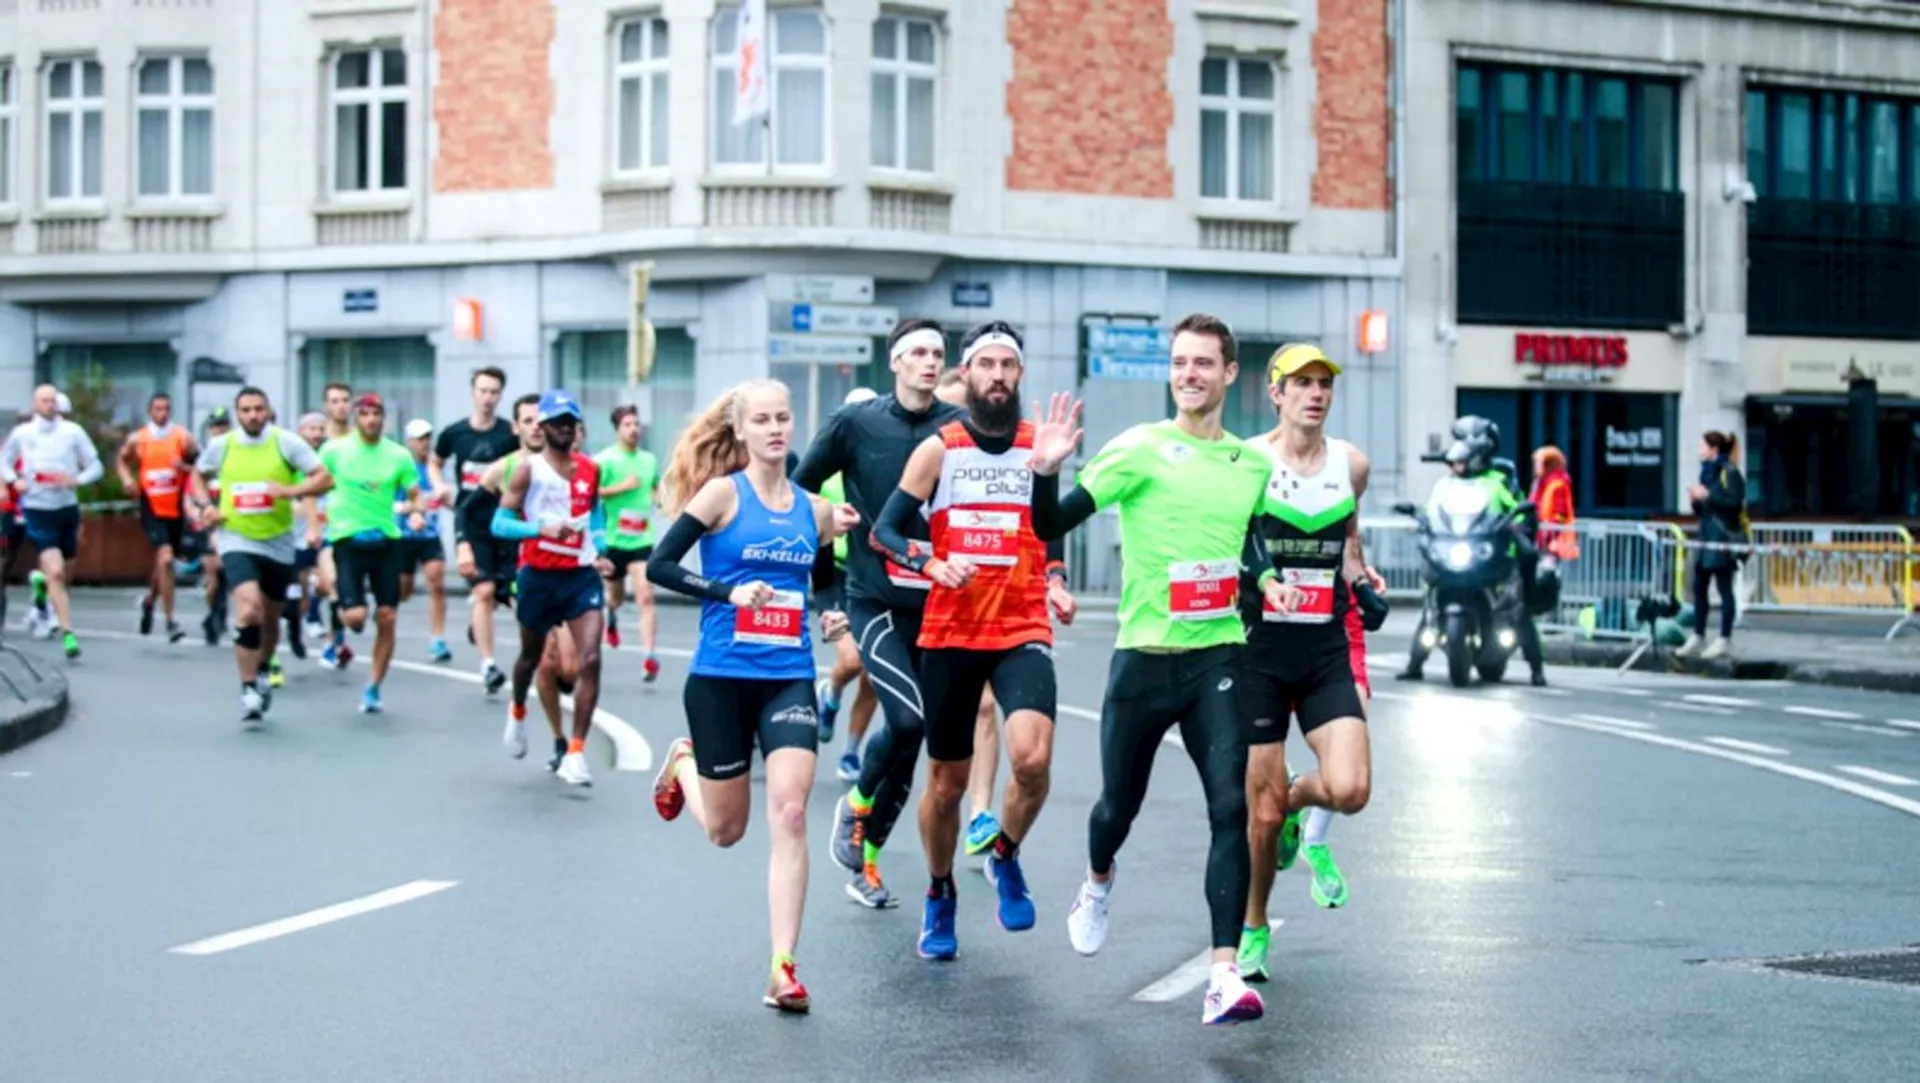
629, 474
1187, 492
371, 474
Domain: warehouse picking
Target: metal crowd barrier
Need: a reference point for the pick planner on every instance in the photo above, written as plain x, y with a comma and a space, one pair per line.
1825, 569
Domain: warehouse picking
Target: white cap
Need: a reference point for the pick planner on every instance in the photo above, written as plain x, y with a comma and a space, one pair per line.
63, 404
860, 394
419, 427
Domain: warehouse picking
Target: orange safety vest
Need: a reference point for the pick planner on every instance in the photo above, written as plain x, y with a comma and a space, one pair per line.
163, 468
1553, 495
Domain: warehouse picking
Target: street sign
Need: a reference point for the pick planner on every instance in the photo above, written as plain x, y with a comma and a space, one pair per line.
844, 319
820, 289
819, 349
1128, 367
360, 301
973, 295
1134, 339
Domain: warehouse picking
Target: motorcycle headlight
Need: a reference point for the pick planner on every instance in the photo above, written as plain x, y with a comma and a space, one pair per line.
1485, 550
1459, 555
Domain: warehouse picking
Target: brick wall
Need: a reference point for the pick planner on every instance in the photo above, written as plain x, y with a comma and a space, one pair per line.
1351, 115
1089, 101
494, 99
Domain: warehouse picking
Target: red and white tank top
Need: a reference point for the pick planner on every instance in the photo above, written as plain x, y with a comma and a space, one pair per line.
983, 511
552, 498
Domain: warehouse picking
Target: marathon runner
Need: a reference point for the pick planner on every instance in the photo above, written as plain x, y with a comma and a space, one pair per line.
486, 562
337, 400
629, 474
1298, 663
154, 463
309, 527
526, 409
868, 443
371, 475
422, 552
985, 622
831, 595
1187, 491
550, 503
213, 584
57, 458
751, 680
262, 470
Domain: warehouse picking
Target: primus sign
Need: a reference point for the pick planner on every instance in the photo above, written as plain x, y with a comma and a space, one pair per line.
1595, 351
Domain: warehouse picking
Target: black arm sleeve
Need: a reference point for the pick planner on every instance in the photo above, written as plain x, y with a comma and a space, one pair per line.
1057, 552
890, 530
1253, 559
822, 459
664, 567
1053, 516
821, 578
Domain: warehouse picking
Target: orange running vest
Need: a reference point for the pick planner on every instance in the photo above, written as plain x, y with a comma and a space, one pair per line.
163, 468
983, 510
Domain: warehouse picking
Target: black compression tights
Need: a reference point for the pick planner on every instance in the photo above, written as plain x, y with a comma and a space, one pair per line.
1146, 695
886, 641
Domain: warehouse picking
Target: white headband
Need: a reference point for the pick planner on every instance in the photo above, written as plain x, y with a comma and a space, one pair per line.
990, 339
925, 337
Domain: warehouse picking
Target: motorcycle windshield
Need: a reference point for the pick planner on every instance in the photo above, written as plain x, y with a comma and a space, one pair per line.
1456, 505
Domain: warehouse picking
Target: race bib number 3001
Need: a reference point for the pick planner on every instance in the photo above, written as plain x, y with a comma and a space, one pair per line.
633, 522
1203, 589
1317, 608
251, 498
988, 538
779, 623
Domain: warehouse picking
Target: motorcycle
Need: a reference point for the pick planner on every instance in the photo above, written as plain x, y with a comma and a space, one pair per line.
1474, 605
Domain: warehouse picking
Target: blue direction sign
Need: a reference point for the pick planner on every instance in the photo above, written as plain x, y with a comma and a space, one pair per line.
1128, 351
803, 317
1124, 367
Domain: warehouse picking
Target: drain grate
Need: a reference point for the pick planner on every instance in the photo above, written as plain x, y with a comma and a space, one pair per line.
1886, 966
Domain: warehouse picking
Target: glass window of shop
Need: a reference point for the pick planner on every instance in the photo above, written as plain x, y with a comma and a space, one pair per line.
121, 376
1620, 446
593, 365
1798, 457
399, 370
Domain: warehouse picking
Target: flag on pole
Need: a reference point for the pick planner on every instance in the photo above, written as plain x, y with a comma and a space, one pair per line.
750, 97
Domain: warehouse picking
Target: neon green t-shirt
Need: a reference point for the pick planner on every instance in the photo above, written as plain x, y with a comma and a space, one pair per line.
629, 514
367, 480
834, 491
1185, 505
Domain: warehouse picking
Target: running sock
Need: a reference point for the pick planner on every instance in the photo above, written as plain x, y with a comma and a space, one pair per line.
870, 853
1097, 889
832, 698
860, 803
781, 959
942, 888
1223, 971
1006, 847
486, 665
1315, 832
576, 746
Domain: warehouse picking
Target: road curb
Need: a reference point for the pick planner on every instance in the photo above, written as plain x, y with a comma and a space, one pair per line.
36, 699
1614, 655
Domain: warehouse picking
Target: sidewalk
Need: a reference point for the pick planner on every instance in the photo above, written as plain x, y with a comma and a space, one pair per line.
1766, 655
33, 697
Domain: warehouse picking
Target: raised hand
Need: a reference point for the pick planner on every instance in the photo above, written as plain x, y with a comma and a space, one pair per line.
1055, 434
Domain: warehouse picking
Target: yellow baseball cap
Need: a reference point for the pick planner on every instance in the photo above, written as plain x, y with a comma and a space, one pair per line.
1288, 360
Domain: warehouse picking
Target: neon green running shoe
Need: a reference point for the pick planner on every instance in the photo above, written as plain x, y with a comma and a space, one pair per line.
1252, 959
276, 677
1329, 887
71, 645
1288, 850
38, 580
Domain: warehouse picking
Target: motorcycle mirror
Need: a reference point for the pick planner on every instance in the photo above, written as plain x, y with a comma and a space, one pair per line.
1405, 507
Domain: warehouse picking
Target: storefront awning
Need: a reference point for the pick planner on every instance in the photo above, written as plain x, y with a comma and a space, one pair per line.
110, 289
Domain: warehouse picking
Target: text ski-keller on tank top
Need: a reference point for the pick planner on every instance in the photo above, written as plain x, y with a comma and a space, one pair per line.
1303, 528
772, 547
982, 510
568, 501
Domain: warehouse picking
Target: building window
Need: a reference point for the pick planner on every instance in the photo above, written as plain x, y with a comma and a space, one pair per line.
1833, 239
797, 91
906, 78
1570, 209
593, 365
9, 109
369, 90
118, 377
75, 110
173, 102
1238, 154
400, 369
640, 87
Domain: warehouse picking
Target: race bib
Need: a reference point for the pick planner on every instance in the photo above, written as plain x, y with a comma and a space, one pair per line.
988, 538
633, 521
906, 578
1202, 589
47, 473
471, 473
1318, 583
779, 623
572, 542
251, 498
162, 482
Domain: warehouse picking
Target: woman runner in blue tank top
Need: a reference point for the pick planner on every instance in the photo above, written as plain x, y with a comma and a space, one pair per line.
752, 676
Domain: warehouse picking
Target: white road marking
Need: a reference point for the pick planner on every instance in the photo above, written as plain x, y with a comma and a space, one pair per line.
326, 915
1904, 723
1884, 777
1186, 977
1626, 691
1821, 712
23, 774
1697, 708
1857, 727
1719, 701
631, 752
1745, 746
1611, 721
1549, 691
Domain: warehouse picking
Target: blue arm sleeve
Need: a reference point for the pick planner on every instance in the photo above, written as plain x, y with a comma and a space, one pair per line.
597, 527
509, 526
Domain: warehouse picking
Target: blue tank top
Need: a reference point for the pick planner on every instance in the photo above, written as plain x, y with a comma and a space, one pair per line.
777, 549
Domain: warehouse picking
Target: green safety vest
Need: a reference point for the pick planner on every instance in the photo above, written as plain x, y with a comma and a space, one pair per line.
245, 471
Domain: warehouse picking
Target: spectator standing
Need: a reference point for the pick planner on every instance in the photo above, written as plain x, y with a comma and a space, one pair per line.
1720, 500
1553, 496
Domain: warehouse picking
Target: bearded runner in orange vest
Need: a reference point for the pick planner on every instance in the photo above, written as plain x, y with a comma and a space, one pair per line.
154, 462
986, 622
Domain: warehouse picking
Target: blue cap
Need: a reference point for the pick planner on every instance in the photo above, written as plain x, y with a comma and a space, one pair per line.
557, 404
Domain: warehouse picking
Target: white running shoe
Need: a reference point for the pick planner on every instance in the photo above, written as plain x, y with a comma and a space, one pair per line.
515, 737
253, 707
1690, 648
1717, 649
1230, 1001
1087, 917
573, 770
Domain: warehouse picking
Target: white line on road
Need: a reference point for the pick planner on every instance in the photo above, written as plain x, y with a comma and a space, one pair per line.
1609, 720
1856, 727
631, 752
1719, 701
1884, 777
1904, 723
1186, 977
1821, 712
1745, 746
326, 915
1697, 708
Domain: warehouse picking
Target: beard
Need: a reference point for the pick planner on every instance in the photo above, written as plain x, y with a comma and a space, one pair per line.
991, 416
559, 439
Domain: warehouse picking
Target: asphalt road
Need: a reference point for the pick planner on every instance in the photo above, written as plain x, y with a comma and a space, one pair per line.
1532, 889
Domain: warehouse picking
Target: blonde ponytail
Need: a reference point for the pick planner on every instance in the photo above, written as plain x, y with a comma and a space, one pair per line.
711, 446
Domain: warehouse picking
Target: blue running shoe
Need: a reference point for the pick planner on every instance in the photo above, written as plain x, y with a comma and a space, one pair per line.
828, 709
370, 700
1016, 905
982, 833
849, 766
330, 657
439, 652
937, 939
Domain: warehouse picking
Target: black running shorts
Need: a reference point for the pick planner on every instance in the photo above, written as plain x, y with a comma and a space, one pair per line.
727, 715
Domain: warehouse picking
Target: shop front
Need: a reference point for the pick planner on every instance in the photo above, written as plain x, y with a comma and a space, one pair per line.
1833, 428
1609, 400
